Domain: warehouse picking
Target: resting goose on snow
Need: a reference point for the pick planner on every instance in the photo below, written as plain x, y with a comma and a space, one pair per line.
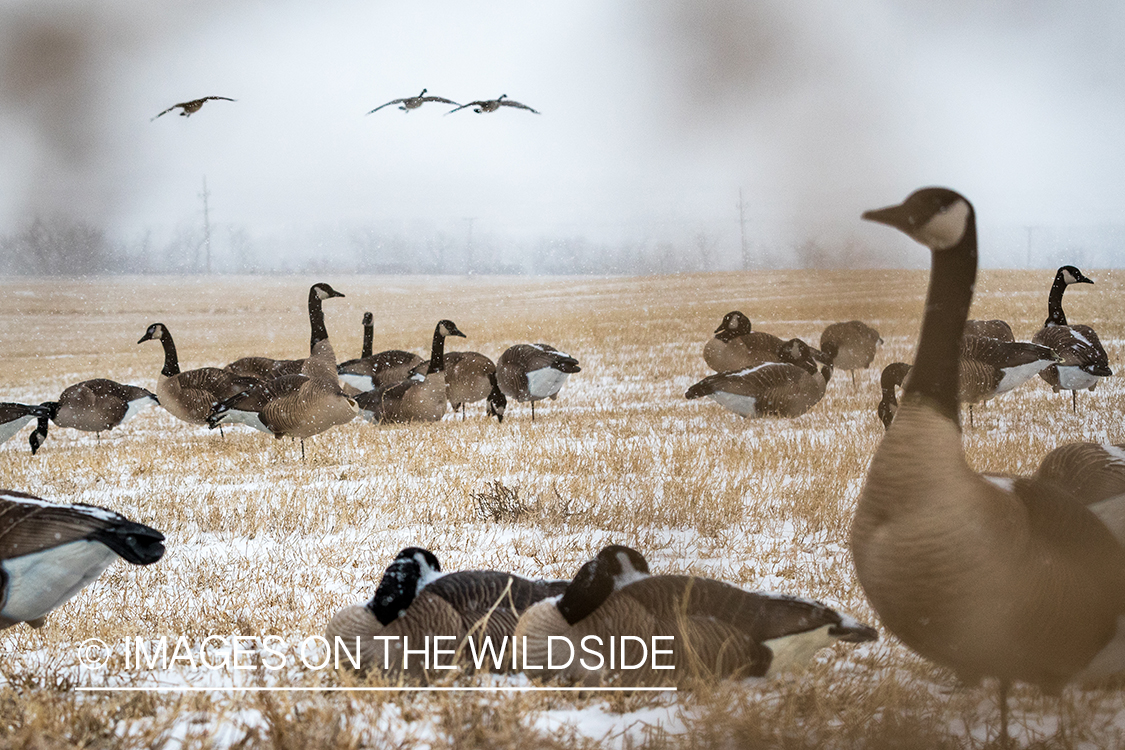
533, 372
415, 599
716, 629
736, 346
990, 577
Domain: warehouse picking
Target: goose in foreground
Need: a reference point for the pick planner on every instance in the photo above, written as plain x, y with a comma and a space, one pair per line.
413, 102
371, 371
491, 105
778, 389
993, 329
419, 398
856, 344
1082, 360
13, 416
709, 628
94, 406
988, 367
50, 551
190, 108
1011, 578
297, 406
190, 395
416, 600
893, 376
533, 372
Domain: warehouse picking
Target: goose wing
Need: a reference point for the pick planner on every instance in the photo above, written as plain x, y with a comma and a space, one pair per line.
766, 383
1077, 346
438, 99
463, 106
511, 103
393, 101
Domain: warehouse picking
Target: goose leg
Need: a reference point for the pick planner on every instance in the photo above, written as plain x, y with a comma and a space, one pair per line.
853, 377
533, 411
302, 449
1074, 401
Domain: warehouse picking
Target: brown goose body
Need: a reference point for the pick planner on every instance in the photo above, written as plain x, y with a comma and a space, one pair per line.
990, 366
1094, 473
98, 405
993, 329
533, 372
265, 368
1001, 577
468, 378
370, 371
781, 389
50, 551
856, 344
418, 398
737, 347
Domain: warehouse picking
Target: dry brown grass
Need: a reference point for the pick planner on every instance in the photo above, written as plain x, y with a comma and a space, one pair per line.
263, 543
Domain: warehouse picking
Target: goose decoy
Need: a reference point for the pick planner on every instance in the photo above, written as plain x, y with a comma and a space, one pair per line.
419, 398
97, 405
50, 551
780, 389
190, 395
716, 629
471, 377
855, 342
533, 372
491, 105
736, 346
297, 406
1092, 472
893, 376
413, 102
992, 329
190, 108
416, 600
988, 367
13, 416
1083, 361
264, 368
371, 371
1011, 578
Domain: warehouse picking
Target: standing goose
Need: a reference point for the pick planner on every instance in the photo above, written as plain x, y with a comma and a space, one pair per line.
49, 552
1006, 578
471, 377
855, 342
190, 395
780, 389
716, 629
413, 102
491, 105
1082, 360
988, 367
13, 416
415, 600
419, 398
533, 372
96, 406
297, 406
373, 371
893, 376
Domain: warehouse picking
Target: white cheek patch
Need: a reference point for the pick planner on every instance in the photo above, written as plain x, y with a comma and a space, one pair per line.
39, 582
945, 229
1068, 278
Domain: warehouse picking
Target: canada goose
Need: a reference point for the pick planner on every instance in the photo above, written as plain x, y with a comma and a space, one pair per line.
491, 105
469, 377
190, 108
419, 398
782, 389
13, 416
533, 372
98, 405
413, 102
893, 376
297, 406
1008, 578
1092, 472
993, 329
736, 346
856, 343
415, 600
372, 371
988, 367
1082, 360
50, 551
190, 395
264, 368
708, 628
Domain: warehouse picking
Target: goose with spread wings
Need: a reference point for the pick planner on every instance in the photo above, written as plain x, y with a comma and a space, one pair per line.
491, 105
413, 102
190, 108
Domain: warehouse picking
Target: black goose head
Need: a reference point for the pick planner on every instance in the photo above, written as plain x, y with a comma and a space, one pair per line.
734, 324
323, 291
893, 375
407, 574
134, 542
936, 217
368, 319
155, 331
1071, 275
797, 352
448, 328
613, 568
624, 564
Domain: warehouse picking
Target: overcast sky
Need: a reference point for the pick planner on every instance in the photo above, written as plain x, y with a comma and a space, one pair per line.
654, 115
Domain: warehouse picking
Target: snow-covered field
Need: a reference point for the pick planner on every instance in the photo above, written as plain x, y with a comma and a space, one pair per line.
261, 543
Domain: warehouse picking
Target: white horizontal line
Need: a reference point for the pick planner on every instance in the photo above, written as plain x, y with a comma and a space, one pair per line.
258, 689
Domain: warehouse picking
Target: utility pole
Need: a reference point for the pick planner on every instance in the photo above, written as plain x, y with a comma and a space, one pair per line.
742, 228
469, 246
206, 226
1029, 246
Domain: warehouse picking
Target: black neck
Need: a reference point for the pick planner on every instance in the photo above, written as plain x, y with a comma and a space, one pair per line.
591, 586
368, 340
171, 363
1055, 314
316, 320
953, 273
396, 591
437, 352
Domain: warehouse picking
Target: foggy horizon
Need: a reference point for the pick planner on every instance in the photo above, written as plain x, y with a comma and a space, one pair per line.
655, 118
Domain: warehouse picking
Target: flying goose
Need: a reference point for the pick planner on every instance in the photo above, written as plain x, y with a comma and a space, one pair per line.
297, 406
415, 600
491, 105
13, 416
50, 551
1011, 578
533, 372
190, 108
371, 371
94, 406
1083, 361
993, 329
989, 366
709, 628
413, 102
782, 389
419, 398
892, 376
855, 342
190, 395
